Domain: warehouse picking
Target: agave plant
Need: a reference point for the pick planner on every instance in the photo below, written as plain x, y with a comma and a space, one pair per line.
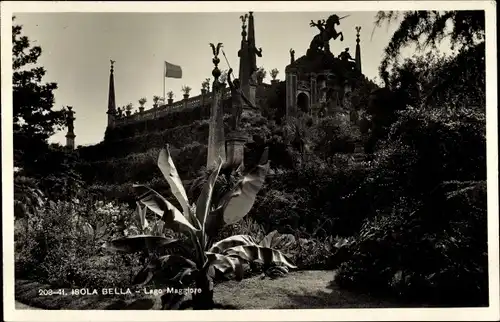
201, 222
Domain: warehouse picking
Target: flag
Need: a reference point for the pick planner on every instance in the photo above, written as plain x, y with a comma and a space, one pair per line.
173, 71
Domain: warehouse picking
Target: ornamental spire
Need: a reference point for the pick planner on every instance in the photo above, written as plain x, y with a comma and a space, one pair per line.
358, 50
111, 92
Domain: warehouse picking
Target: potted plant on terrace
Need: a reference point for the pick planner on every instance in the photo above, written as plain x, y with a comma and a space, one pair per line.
186, 90
142, 101
129, 108
170, 96
156, 99
205, 86
274, 73
261, 74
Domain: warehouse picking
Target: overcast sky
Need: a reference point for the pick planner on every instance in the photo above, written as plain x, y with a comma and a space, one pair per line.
77, 47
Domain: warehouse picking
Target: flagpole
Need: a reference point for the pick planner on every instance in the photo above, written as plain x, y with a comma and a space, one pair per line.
164, 76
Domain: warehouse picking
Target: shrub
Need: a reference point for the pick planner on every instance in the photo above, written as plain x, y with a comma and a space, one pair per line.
437, 252
426, 230
60, 242
333, 135
27, 196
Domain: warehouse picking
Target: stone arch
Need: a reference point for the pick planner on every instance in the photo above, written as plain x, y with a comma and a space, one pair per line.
303, 102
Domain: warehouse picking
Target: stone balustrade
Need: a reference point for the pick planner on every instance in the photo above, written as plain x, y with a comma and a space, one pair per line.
154, 113
160, 111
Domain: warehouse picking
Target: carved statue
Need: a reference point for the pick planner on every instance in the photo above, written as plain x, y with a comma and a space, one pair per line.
292, 55
253, 62
326, 32
347, 59
70, 118
345, 56
238, 98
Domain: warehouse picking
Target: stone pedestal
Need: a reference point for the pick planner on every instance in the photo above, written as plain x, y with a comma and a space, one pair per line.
235, 147
70, 141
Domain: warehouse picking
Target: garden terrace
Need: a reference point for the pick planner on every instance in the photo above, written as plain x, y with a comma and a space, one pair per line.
179, 113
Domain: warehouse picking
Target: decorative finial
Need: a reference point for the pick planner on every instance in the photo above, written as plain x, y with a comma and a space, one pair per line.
244, 19
112, 63
216, 49
358, 28
244, 24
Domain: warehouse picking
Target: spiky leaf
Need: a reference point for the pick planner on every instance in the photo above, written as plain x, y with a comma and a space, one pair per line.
261, 254
160, 206
167, 168
233, 241
132, 244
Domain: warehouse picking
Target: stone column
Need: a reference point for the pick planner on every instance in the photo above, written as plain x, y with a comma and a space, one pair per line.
235, 148
291, 94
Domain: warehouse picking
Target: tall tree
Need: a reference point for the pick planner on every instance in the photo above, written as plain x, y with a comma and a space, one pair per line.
34, 119
426, 29
430, 80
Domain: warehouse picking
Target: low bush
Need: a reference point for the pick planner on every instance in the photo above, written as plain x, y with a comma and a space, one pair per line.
61, 245
316, 200
436, 253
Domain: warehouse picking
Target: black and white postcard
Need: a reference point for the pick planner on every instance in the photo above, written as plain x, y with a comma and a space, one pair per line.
258, 161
